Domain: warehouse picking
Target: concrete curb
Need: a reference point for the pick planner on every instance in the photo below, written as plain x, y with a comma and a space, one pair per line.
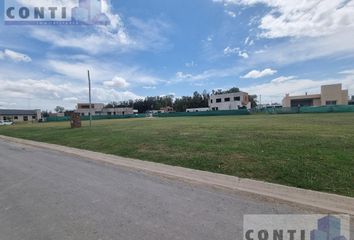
330, 203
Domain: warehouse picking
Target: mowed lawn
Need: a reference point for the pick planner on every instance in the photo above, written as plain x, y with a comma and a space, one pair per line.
312, 151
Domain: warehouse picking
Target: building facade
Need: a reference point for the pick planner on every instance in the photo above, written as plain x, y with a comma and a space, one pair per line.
229, 101
330, 95
117, 111
84, 109
98, 109
20, 115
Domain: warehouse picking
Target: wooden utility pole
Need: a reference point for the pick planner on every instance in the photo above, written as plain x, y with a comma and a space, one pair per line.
89, 82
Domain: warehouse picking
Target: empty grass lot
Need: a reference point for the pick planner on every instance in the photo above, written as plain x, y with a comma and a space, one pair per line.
312, 151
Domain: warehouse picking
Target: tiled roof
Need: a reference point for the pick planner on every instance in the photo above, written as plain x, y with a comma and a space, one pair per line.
17, 112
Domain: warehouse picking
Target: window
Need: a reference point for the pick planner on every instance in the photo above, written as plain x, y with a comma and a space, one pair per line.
211, 101
218, 100
331, 102
25, 118
16, 117
227, 99
33, 117
237, 98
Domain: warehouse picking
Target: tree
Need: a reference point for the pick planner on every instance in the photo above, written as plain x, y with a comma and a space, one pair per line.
59, 109
253, 100
231, 90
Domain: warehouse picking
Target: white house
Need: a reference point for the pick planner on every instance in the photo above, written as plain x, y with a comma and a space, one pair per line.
229, 101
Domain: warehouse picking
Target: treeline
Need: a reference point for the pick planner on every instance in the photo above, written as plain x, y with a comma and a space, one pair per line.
198, 100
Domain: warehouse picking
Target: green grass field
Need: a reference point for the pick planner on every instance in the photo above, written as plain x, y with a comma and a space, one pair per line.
312, 151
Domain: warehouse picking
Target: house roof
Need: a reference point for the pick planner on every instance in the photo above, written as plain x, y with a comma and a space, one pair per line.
17, 112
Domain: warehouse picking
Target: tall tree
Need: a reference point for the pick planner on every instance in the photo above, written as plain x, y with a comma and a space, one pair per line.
59, 109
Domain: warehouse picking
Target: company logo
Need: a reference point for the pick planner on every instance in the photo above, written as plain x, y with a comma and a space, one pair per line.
296, 227
43, 12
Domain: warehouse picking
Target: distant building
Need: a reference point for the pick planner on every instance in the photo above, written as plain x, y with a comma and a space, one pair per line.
229, 101
98, 109
166, 110
330, 95
351, 102
84, 109
198, 110
20, 115
117, 111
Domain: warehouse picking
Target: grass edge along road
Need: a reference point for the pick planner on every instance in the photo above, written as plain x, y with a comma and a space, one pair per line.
311, 151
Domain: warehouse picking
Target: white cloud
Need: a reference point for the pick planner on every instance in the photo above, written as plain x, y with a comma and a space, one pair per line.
317, 29
230, 51
117, 82
141, 35
347, 72
249, 41
275, 90
243, 54
303, 49
308, 18
102, 71
14, 56
205, 75
190, 64
48, 93
259, 74
149, 87
282, 79
71, 99
100, 41
77, 70
231, 13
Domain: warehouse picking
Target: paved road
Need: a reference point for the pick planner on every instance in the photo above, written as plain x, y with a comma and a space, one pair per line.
45, 196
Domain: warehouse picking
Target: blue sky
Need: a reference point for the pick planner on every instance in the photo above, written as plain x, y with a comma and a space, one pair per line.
159, 47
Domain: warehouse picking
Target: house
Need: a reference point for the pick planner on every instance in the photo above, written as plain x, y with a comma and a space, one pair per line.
20, 115
99, 109
84, 109
117, 111
198, 109
229, 101
166, 110
330, 95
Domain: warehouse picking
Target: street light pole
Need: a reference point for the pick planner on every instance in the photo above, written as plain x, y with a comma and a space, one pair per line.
89, 82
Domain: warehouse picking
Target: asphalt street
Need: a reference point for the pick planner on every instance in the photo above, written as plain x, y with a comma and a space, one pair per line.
49, 195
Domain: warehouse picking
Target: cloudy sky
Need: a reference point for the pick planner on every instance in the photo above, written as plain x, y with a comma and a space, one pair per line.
159, 47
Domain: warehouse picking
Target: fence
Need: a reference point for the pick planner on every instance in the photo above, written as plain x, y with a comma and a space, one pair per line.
207, 113
294, 110
322, 109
